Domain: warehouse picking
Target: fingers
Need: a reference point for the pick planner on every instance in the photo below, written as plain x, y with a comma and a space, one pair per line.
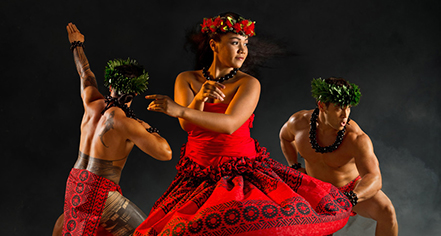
75, 28
213, 90
157, 105
159, 102
156, 96
71, 28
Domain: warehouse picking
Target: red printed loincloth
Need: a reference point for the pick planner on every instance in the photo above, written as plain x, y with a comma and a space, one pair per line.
349, 187
244, 196
86, 195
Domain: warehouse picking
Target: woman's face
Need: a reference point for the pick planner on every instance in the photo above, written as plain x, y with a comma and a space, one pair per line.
232, 50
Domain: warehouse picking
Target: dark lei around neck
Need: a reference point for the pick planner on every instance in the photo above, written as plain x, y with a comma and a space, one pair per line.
221, 79
115, 102
313, 135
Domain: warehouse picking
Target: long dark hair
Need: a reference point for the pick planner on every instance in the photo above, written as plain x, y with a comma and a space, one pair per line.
259, 50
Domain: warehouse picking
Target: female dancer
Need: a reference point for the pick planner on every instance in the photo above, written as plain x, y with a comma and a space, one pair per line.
226, 183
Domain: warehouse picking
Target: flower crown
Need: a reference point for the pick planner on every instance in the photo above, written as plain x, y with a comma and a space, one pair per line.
224, 24
116, 76
332, 93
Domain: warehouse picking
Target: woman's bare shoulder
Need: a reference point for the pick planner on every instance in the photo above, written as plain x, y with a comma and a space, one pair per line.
189, 75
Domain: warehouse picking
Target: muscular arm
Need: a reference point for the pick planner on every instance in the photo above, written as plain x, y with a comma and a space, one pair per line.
88, 84
287, 141
368, 168
150, 143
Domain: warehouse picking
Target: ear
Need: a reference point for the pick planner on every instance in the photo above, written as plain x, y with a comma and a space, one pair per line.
213, 45
322, 106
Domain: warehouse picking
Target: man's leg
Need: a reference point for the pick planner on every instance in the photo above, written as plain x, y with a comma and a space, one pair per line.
380, 209
58, 228
120, 215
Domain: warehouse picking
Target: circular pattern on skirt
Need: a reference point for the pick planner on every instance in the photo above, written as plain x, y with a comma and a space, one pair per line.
84, 175
343, 202
79, 188
232, 216
331, 207
71, 225
303, 208
269, 211
76, 200
195, 226
288, 210
213, 220
251, 213
179, 229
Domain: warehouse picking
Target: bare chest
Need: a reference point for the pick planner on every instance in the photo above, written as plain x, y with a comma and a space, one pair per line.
336, 159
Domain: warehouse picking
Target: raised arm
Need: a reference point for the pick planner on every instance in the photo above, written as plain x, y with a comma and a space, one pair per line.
368, 168
239, 110
88, 84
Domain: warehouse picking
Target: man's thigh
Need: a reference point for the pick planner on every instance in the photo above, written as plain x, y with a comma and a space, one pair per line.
374, 207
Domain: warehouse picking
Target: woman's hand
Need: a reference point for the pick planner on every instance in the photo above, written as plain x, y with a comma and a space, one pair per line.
210, 89
164, 104
73, 33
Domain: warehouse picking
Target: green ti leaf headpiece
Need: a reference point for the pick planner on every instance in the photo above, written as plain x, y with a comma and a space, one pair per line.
118, 75
341, 95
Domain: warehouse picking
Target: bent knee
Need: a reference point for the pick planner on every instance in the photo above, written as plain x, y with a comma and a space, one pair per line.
386, 214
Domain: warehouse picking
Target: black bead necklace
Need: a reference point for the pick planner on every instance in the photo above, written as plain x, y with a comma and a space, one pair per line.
221, 79
313, 134
116, 102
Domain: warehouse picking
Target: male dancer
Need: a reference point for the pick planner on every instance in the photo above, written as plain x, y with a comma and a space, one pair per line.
109, 130
337, 151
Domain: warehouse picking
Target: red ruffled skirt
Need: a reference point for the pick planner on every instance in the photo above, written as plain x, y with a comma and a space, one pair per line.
243, 196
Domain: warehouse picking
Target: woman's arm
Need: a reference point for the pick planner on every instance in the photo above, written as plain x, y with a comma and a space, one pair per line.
239, 110
184, 94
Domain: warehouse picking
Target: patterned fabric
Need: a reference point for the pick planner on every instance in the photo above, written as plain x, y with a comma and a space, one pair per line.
86, 195
349, 187
243, 194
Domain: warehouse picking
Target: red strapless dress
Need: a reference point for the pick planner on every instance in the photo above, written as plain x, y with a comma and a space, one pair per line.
228, 185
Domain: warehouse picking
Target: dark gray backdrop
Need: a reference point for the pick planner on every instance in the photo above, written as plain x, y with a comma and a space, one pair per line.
389, 48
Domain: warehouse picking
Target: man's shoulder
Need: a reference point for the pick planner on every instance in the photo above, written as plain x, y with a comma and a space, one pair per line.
356, 134
301, 116
300, 119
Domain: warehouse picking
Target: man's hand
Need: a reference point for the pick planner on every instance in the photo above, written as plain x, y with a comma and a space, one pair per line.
74, 34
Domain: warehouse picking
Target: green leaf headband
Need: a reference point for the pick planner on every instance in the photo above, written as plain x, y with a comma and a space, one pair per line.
116, 78
341, 95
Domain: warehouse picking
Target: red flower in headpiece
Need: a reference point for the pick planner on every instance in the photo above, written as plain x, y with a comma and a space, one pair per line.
237, 27
217, 21
228, 24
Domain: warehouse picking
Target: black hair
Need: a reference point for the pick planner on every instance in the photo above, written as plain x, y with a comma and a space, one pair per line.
259, 49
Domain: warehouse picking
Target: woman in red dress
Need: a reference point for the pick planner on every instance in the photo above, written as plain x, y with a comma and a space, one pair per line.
226, 183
